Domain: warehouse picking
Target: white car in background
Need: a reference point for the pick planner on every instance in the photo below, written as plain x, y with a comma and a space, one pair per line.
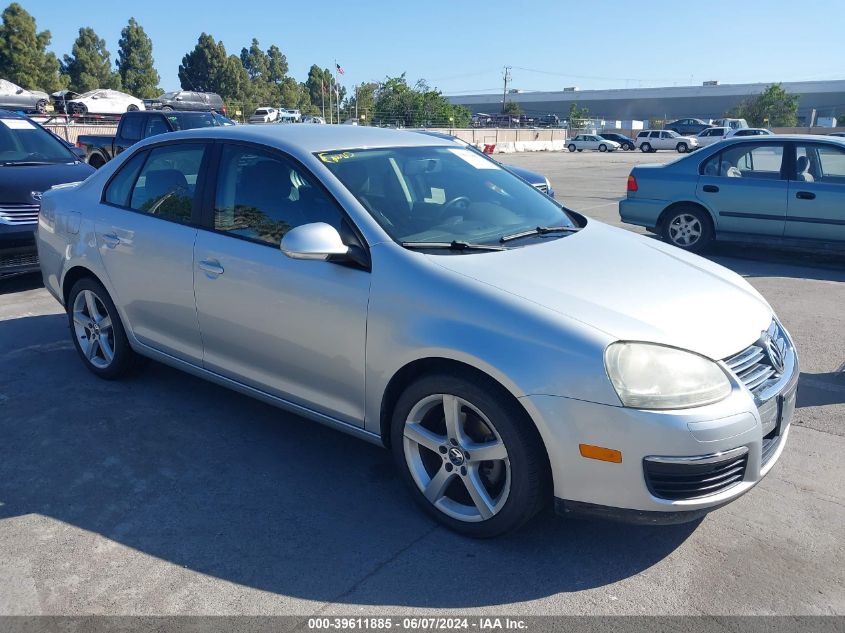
104, 102
750, 131
712, 135
592, 141
314, 119
653, 140
264, 115
13, 97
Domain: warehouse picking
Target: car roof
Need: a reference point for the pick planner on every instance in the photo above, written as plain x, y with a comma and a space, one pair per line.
310, 138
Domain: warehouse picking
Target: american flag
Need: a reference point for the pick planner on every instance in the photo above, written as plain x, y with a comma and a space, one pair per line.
340, 70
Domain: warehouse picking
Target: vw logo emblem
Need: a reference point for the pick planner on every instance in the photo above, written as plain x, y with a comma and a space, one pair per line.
773, 352
36, 195
456, 456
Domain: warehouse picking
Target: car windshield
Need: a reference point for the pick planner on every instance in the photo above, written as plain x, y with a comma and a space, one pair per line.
192, 120
167, 95
22, 141
86, 95
443, 194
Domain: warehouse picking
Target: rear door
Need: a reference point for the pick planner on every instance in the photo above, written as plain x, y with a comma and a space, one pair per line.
145, 235
745, 187
816, 208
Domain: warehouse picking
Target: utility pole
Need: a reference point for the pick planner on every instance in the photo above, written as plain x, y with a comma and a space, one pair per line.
506, 74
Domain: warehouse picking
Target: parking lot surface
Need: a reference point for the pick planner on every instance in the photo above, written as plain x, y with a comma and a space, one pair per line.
164, 494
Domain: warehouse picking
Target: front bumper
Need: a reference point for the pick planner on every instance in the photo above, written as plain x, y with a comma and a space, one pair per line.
624, 491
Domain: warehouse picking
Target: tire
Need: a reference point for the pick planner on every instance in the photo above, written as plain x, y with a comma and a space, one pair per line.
645, 148
81, 109
41, 106
682, 148
167, 108
131, 108
571, 147
509, 488
88, 292
580, 150
628, 147
602, 147
688, 227
96, 161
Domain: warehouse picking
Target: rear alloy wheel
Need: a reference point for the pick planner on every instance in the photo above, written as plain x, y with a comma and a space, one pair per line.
688, 228
41, 106
471, 459
571, 147
602, 147
682, 148
131, 108
645, 148
98, 333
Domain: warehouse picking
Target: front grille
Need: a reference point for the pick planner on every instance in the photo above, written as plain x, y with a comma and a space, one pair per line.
15, 262
694, 477
761, 363
14, 214
544, 188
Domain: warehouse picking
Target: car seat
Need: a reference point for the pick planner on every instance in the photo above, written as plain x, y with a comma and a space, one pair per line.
802, 169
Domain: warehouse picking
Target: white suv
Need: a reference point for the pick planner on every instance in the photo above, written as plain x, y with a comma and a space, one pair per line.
712, 135
653, 140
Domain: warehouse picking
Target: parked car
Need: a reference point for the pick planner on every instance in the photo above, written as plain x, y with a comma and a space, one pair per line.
314, 119
732, 124
426, 307
581, 142
264, 115
538, 181
749, 131
787, 190
31, 161
653, 140
187, 100
290, 115
712, 135
687, 127
547, 120
104, 102
13, 97
133, 126
625, 142
61, 101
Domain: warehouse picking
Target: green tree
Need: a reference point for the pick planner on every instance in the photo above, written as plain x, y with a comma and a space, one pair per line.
208, 68
277, 65
135, 62
397, 103
317, 84
577, 116
24, 59
513, 108
89, 64
774, 107
364, 98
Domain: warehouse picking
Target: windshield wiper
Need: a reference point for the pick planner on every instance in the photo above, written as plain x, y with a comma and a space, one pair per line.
454, 245
540, 230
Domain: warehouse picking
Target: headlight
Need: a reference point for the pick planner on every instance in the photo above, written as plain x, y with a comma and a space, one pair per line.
648, 376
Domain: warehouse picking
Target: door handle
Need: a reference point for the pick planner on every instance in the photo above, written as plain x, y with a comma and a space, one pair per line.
711, 188
110, 239
805, 195
212, 267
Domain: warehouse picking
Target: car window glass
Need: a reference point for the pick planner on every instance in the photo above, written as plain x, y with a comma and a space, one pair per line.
121, 184
261, 196
132, 128
747, 160
155, 125
820, 163
165, 187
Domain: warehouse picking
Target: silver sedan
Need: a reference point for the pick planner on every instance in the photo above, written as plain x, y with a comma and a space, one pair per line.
511, 353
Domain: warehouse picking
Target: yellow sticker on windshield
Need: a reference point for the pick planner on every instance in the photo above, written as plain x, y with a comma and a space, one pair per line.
327, 157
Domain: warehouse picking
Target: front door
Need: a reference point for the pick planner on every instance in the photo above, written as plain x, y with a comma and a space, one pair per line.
146, 242
292, 328
816, 208
744, 187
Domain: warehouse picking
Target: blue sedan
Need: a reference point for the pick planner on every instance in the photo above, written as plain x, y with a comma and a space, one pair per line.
783, 189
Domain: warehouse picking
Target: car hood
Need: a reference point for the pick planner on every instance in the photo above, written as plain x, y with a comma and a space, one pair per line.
18, 182
527, 175
629, 286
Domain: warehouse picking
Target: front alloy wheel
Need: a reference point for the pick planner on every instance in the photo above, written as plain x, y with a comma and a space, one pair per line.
469, 453
456, 458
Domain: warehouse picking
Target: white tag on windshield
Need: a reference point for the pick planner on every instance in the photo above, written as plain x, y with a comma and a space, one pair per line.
479, 162
17, 124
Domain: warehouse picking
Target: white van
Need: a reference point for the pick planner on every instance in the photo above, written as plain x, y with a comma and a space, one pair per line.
731, 124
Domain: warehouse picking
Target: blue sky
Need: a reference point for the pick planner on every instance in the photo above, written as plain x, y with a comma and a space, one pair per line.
461, 46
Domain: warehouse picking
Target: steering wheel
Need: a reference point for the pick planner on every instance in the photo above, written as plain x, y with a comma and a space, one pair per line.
461, 202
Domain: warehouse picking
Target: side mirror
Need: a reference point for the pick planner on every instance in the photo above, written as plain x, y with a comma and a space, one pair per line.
19, 91
314, 241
